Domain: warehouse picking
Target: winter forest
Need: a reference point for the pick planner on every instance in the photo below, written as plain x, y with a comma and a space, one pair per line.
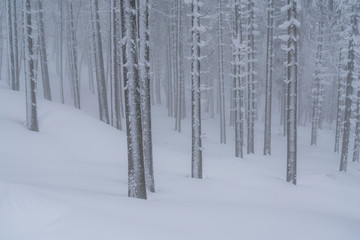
234, 119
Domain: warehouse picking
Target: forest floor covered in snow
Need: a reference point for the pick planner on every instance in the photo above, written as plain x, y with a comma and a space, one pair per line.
69, 182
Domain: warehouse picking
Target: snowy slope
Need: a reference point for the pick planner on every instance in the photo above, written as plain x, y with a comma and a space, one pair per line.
69, 182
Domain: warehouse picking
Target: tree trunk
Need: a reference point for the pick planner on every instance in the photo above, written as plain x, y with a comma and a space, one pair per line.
196, 166
269, 63
101, 85
136, 172
145, 95
31, 106
43, 53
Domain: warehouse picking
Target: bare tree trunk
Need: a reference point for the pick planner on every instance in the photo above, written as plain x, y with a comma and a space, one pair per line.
114, 69
101, 85
349, 79
196, 163
269, 68
339, 113
13, 45
145, 95
43, 53
73, 56
221, 76
31, 106
136, 172
292, 92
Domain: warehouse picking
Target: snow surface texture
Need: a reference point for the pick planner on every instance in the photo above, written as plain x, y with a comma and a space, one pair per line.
69, 182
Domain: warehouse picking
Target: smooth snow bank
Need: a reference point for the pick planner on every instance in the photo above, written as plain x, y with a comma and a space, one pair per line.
69, 182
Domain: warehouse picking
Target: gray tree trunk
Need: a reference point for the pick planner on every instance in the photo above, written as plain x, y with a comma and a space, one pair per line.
144, 63
136, 172
114, 69
30, 81
349, 79
292, 92
221, 76
196, 156
13, 45
269, 69
43, 53
100, 76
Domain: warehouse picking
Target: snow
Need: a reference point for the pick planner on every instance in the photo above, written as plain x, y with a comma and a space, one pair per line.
69, 181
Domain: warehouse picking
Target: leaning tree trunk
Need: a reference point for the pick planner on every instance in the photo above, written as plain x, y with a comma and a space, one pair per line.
43, 53
196, 166
30, 81
145, 95
136, 172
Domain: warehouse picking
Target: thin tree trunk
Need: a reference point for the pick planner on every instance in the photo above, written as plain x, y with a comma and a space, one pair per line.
269, 63
101, 85
196, 166
292, 93
31, 106
43, 53
145, 95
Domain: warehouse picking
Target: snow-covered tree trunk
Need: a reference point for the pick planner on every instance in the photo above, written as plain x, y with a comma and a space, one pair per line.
62, 97
73, 55
316, 90
12, 45
196, 153
251, 79
221, 84
269, 69
144, 63
170, 96
43, 53
136, 172
339, 111
357, 127
114, 69
180, 87
30, 81
291, 24
352, 33
238, 78
100, 76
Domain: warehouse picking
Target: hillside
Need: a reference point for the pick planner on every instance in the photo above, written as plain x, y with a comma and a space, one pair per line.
69, 182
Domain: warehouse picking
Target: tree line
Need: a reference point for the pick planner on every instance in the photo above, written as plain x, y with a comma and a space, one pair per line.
239, 61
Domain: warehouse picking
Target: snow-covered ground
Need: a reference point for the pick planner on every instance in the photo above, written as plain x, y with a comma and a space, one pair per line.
69, 182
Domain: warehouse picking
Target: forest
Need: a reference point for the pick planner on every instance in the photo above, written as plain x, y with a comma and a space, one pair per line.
181, 98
